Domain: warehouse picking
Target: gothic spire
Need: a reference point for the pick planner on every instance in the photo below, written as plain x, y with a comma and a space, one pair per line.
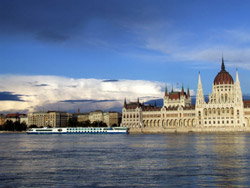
237, 76
125, 102
222, 64
166, 90
182, 89
200, 95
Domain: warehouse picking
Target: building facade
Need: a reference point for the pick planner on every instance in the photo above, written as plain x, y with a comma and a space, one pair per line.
22, 118
111, 118
48, 119
224, 111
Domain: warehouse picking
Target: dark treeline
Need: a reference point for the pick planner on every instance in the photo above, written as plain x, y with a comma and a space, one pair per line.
13, 126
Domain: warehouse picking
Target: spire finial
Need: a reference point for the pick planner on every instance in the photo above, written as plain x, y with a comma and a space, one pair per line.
182, 89
166, 90
125, 103
188, 93
222, 64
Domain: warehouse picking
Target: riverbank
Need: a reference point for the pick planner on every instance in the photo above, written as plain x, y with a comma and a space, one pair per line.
16, 132
161, 130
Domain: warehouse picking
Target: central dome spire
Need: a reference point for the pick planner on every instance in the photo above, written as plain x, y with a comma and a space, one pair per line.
222, 64
223, 77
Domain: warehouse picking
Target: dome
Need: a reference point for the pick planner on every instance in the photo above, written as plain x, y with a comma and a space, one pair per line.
223, 77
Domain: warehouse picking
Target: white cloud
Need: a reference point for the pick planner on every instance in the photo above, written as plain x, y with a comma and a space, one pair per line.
47, 93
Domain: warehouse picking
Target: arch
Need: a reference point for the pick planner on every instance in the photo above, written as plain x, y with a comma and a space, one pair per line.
159, 123
246, 121
180, 123
205, 112
154, 123
214, 111
171, 123
175, 123
218, 111
192, 122
163, 123
209, 111
232, 110
222, 110
185, 123
167, 123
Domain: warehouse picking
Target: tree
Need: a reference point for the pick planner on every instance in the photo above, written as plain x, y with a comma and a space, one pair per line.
99, 124
114, 125
8, 125
33, 126
73, 122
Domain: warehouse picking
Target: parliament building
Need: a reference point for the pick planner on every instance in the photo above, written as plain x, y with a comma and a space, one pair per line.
224, 111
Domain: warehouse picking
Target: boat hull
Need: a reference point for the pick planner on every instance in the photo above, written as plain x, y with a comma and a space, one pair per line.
79, 130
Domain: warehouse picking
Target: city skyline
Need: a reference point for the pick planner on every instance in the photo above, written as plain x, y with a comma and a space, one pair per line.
92, 54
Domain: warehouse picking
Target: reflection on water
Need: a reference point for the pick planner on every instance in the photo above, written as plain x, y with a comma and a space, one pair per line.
169, 160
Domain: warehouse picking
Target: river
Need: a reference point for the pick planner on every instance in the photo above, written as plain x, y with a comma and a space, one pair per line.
135, 160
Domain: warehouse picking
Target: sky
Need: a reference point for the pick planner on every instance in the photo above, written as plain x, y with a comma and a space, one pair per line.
92, 54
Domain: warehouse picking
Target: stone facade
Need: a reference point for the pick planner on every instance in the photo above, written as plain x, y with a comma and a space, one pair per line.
225, 110
110, 118
51, 118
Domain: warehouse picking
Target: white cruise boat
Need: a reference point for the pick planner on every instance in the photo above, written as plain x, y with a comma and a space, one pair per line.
79, 130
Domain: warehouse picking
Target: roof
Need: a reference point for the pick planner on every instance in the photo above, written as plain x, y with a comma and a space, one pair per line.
14, 115
223, 77
246, 103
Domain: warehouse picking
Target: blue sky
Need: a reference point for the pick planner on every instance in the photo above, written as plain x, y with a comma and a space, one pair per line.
140, 42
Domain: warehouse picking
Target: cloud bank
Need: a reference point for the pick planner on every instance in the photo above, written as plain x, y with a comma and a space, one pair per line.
42, 93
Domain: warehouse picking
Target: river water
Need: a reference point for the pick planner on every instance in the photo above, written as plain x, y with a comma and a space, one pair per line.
143, 160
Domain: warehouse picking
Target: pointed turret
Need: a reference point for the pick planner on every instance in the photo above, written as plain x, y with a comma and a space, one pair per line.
200, 95
155, 103
125, 103
188, 93
166, 90
172, 89
182, 89
237, 76
138, 102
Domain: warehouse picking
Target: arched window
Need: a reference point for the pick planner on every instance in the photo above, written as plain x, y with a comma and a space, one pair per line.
214, 111
222, 98
232, 111
225, 97
205, 112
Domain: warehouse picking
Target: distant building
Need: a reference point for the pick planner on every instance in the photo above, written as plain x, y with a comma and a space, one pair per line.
225, 110
82, 117
2, 119
16, 117
96, 116
50, 118
110, 118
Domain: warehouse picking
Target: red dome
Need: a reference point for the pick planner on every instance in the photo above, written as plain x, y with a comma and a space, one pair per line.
223, 77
